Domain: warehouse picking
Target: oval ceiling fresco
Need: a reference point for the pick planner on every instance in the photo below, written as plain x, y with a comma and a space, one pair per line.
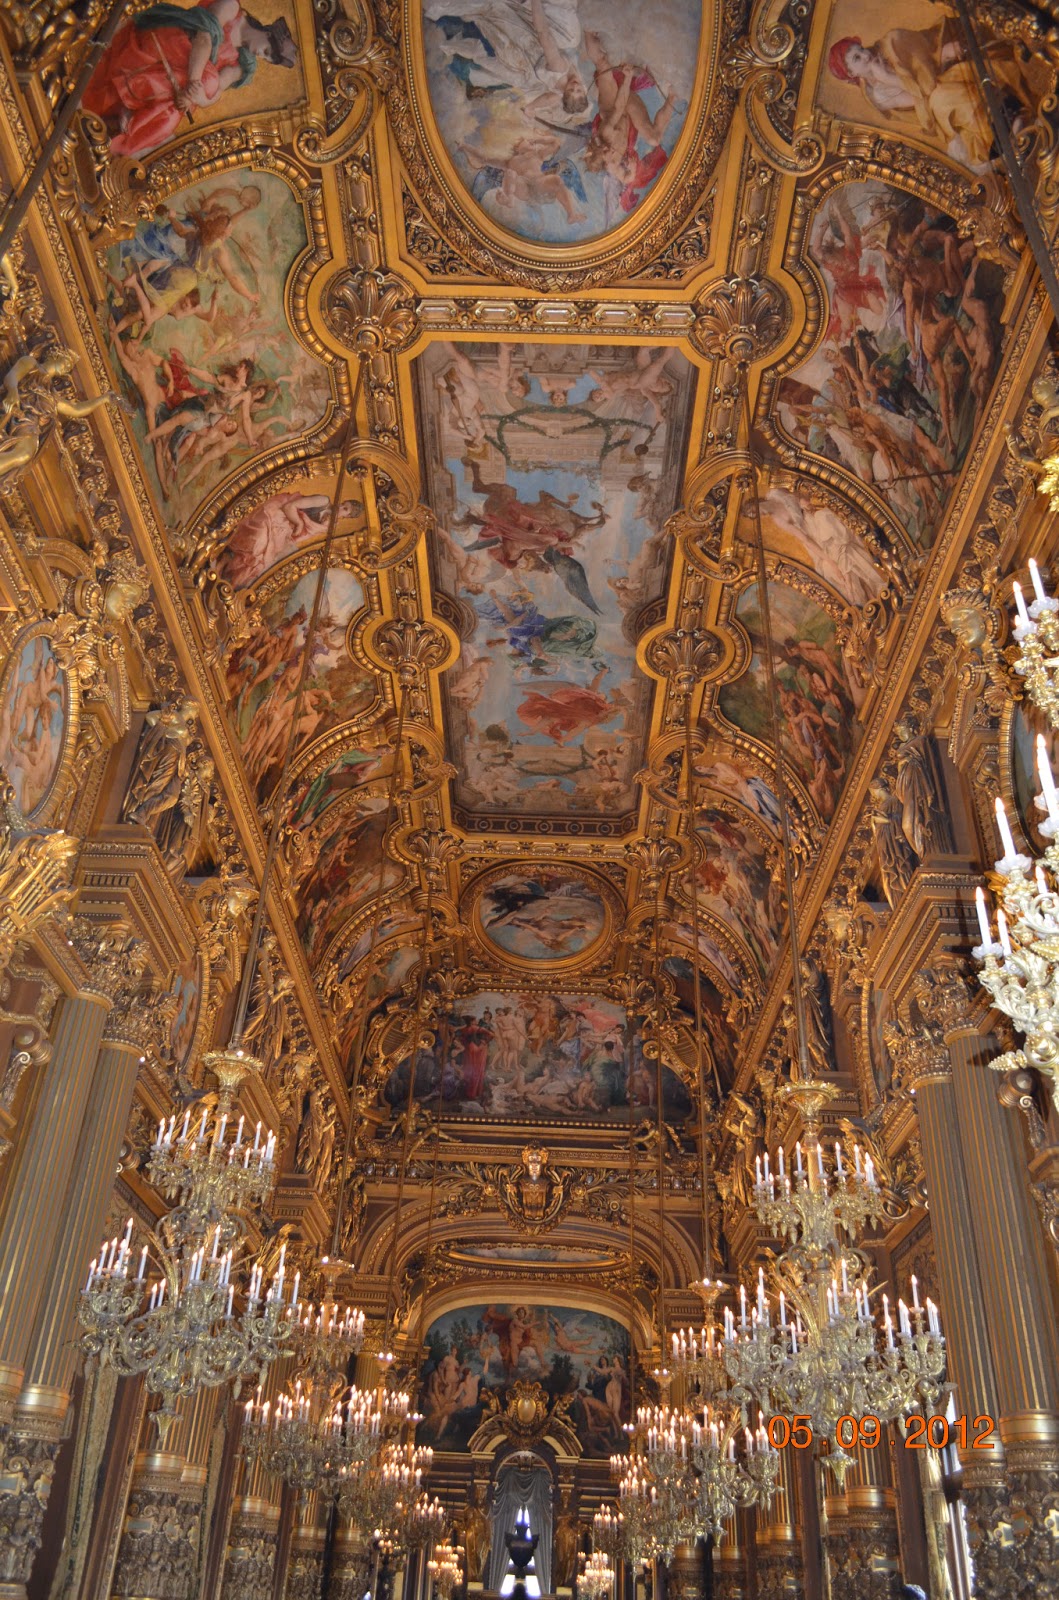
560, 117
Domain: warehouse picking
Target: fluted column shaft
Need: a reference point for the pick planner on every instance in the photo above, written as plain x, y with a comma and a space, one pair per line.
970, 1360
50, 1369
34, 1205
1021, 1315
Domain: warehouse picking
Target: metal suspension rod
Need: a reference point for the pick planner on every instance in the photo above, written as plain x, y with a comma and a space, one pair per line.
777, 740
1025, 202
707, 1244
19, 203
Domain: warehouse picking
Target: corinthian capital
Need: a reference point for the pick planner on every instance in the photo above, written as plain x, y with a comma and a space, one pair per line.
141, 1017
943, 998
115, 958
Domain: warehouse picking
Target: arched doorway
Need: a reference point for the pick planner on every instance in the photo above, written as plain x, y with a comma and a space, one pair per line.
522, 1491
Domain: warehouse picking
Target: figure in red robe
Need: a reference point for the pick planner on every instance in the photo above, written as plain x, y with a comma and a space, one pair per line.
171, 59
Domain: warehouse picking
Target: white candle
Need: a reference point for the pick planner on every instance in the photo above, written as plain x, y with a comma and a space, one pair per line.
798, 1159
1006, 836
915, 1291
143, 1265
1002, 929
983, 919
1039, 593
779, 1158
1020, 606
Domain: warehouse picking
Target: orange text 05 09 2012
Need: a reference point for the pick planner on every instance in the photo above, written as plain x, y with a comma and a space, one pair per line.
920, 1433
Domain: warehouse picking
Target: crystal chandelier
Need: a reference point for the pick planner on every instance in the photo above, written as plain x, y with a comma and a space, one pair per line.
657, 1479
444, 1569
824, 1357
725, 1479
596, 1579
176, 1320
1020, 969
314, 1439
319, 1430
384, 1498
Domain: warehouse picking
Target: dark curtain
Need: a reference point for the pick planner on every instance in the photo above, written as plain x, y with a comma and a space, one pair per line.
514, 1488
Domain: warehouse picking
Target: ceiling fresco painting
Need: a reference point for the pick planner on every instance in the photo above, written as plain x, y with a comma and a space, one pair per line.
799, 523
481, 1350
900, 378
176, 68
816, 689
542, 916
34, 713
551, 470
263, 673
735, 881
912, 78
284, 522
519, 1056
199, 335
491, 323
560, 116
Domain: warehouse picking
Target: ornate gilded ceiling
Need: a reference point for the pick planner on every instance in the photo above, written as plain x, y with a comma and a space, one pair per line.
566, 262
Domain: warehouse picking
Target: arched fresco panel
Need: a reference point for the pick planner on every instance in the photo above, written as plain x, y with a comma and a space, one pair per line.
281, 524
734, 882
175, 68
199, 337
816, 703
899, 381
907, 72
263, 673
482, 1350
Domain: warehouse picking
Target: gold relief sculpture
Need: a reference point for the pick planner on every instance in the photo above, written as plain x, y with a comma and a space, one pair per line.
34, 403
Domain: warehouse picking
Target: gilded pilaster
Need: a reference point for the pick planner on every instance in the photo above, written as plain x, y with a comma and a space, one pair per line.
685, 1575
53, 1358
861, 1535
351, 1565
305, 1570
1010, 1529
32, 1216
1022, 1321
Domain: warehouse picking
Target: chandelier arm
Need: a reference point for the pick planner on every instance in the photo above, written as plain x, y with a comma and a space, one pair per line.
802, 1063
242, 1004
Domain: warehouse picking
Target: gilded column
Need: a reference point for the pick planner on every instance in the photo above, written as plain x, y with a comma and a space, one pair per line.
159, 1557
1015, 1551
861, 1537
780, 1570
34, 1229
729, 1564
352, 1565
305, 1570
32, 1215
922, 1067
